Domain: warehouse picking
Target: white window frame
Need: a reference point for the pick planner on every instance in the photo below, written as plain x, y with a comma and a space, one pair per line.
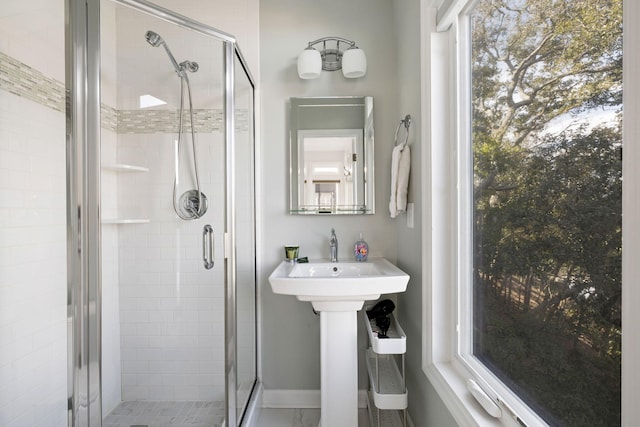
447, 266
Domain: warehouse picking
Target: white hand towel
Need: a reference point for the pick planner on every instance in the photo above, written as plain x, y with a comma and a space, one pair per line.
403, 179
395, 165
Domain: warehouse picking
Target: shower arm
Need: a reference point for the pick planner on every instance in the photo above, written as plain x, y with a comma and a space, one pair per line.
179, 69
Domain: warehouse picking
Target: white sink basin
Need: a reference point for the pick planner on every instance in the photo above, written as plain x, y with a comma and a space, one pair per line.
323, 282
334, 269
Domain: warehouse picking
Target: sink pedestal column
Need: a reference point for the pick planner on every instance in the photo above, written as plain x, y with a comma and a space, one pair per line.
339, 368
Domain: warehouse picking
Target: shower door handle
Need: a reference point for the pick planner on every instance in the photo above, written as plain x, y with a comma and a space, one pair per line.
207, 246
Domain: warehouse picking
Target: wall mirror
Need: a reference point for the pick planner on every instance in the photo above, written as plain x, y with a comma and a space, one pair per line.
331, 155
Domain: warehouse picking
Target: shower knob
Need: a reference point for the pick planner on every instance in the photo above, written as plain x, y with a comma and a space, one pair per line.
189, 204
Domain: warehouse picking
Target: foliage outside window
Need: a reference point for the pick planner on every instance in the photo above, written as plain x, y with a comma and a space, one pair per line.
547, 150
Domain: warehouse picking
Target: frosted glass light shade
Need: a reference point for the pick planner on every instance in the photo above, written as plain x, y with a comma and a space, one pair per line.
309, 64
354, 63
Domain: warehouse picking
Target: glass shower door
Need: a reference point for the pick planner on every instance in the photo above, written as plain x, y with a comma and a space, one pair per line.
163, 310
245, 237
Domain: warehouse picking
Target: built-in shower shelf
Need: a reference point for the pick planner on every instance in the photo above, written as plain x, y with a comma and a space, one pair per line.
122, 167
125, 221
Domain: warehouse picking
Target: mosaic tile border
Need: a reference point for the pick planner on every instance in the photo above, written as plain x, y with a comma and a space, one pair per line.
166, 121
24, 81
21, 80
108, 118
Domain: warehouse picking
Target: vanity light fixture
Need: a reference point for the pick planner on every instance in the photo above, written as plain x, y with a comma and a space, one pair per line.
332, 57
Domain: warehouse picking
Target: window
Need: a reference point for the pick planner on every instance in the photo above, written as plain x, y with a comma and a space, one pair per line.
538, 218
546, 96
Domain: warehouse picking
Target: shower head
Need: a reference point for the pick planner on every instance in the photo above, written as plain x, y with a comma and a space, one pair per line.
155, 40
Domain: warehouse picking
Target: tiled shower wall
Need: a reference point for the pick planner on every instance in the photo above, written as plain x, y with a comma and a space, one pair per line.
171, 308
33, 327
111, 360
33, 311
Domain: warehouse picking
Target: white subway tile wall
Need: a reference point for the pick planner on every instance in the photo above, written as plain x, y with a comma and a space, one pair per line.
33, 306
111, 361
33, 311
171, 308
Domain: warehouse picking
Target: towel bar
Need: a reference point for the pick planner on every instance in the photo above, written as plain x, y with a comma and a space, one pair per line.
407, 123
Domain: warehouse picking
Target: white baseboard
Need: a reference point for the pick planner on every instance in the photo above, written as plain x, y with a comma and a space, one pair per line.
304, 399
301, 399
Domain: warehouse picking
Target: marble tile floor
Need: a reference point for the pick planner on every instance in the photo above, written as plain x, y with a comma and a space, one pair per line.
211, 414
270, 417
166, 414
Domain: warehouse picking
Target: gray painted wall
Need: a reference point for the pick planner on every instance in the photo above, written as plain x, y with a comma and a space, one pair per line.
389, 33
290, 330
425, 406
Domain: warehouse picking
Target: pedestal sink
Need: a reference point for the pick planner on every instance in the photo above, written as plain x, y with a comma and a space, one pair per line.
338, 290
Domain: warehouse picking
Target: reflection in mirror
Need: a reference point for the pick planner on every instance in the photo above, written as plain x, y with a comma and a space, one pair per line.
329, 162
331, 155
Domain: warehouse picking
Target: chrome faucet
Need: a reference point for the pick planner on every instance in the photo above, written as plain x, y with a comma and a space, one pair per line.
333, 246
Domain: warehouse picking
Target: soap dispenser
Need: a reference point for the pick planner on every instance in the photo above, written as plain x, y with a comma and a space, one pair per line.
361, 250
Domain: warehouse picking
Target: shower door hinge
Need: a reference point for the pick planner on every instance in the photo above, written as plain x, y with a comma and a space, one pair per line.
227, 245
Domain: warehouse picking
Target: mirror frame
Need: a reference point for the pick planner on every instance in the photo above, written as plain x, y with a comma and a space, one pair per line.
299, 123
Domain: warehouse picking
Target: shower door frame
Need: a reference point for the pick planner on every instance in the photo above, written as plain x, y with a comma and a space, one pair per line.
83, 204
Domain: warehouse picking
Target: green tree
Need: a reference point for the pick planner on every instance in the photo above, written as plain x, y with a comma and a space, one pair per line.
535, 60
547, 230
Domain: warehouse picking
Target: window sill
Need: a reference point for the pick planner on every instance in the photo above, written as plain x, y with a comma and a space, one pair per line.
452, 389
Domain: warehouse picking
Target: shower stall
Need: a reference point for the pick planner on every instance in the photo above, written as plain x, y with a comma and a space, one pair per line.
127, 248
